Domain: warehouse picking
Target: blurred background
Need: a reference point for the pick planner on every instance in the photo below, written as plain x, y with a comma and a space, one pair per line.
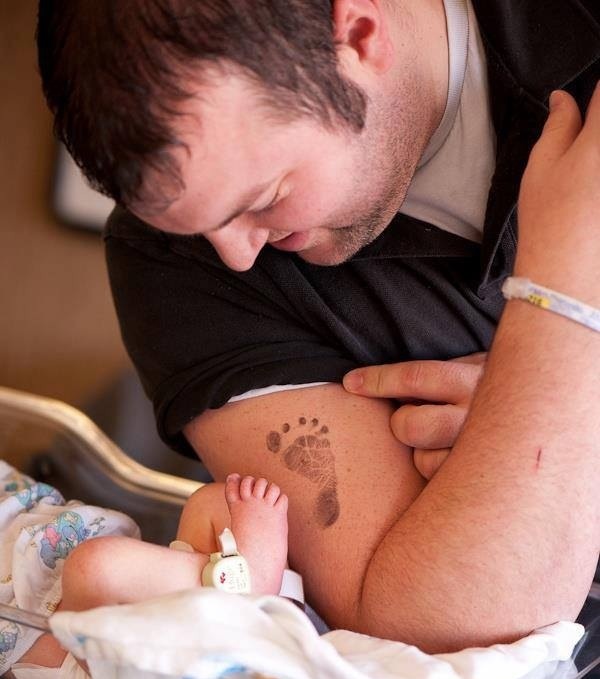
58, 331
59, 335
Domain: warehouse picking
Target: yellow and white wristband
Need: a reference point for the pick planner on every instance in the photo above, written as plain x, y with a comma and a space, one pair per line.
523, 288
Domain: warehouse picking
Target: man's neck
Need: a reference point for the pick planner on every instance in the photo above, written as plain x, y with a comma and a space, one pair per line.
431, 22
438, 51
418, 28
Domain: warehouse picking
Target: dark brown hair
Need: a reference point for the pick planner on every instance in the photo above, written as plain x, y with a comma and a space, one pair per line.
112, 73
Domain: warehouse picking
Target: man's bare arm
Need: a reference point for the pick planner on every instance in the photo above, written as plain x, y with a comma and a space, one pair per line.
505, 537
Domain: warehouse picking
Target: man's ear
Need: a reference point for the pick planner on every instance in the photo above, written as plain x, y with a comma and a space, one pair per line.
362, 35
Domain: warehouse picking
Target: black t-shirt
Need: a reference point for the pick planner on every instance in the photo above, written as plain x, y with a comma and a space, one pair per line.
199, 333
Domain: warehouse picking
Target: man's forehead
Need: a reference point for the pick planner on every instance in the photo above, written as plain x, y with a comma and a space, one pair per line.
226, 95
214, 132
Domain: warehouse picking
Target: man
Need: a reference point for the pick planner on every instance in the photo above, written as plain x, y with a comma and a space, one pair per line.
288, 135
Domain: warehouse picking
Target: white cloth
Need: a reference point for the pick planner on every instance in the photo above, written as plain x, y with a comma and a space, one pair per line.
263, 391
205, 634
450, 189
38, 530
70, 669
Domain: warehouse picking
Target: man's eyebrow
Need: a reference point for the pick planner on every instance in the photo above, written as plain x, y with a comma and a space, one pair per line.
244, 203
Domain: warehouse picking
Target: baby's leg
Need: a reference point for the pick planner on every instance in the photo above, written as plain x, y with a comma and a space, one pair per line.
46, 652
256, 513
120, 570
259, 525
204, 517
116, 570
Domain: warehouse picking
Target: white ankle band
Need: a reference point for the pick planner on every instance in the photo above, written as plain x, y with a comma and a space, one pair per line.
227, 570
292, 586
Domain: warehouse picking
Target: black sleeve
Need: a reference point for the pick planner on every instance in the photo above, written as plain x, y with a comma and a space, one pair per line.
199, 333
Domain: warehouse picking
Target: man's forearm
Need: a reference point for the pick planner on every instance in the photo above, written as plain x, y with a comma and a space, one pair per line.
505, 537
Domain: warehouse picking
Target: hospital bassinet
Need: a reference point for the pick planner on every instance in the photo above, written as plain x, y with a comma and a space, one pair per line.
48, 438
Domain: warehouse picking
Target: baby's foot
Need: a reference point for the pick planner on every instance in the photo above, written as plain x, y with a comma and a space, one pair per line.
259, 524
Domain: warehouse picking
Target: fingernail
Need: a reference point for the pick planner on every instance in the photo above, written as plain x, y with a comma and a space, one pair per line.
232, 477
353, 381
555, 99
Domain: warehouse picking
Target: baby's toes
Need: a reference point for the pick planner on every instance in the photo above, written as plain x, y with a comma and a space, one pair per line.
272, 494
246, 487
232, 488
281, 505
260, 486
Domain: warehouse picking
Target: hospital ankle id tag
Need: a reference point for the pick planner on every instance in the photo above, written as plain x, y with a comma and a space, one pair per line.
227, 570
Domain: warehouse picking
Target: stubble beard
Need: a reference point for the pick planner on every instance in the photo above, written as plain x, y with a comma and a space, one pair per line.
390, 158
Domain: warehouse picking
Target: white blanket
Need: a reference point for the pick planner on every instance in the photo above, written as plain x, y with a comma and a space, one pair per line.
206, 634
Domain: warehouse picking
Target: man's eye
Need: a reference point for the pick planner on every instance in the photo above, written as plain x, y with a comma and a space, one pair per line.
268, 207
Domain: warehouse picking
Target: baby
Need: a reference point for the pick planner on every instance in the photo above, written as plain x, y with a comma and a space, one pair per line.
119, 570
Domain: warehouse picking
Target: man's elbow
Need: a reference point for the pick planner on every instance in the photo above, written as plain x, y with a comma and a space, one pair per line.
438, 618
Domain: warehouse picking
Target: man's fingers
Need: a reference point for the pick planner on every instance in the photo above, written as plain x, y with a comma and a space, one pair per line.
436, 381
428, 462
562, 127
475, 359
428, 426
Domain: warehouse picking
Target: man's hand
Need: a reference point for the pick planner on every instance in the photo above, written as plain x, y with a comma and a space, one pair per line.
559, 210
439, 394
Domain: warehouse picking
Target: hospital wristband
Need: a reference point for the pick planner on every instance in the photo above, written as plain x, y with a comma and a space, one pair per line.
523, 288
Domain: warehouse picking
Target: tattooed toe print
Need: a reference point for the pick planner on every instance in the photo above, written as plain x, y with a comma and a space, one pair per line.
307, 451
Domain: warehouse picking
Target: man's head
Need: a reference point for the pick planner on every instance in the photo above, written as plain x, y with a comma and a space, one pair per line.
247, 121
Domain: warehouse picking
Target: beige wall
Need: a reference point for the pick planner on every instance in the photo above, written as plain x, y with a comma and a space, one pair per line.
58, 333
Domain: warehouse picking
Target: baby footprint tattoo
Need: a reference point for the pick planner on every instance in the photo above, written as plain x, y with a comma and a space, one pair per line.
307, 451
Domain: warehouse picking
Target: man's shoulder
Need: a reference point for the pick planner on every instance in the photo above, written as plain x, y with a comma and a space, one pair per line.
123, 225
498, 17
591, 7
543, 45
124, 233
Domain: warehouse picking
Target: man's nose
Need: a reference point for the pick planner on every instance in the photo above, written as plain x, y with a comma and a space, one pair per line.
239, 243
